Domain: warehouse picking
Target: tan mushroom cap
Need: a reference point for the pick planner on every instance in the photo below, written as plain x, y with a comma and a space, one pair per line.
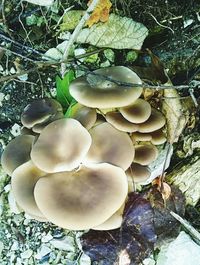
137, 112
40, 111
111, 146
95, 91
16, 153
158, 137
86, 116
61, 146
119, 122
113, 222
138, 173
23, 182
37, 128
145, 154
84, 198
138, 137
154, 123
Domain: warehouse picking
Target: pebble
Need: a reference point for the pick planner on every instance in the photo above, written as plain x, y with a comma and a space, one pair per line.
43, 251
15, 130
27, 254
46, 238
1, 246
66, 243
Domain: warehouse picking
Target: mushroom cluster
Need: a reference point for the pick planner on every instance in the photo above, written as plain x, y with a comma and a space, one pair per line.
76, 172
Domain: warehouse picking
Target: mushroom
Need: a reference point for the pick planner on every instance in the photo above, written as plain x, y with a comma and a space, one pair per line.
138, 137
41, 112
83, 198
154, 123
104, 88
119, 122
138, 112
61, 146
23, 182
138, 173
111, 146
113, 222
158, 137
145, 154
16, 153
86, 116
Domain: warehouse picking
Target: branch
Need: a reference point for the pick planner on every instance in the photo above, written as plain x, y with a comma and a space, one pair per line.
76, 32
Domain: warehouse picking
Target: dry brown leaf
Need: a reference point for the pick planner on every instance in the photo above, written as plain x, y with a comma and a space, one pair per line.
100, 13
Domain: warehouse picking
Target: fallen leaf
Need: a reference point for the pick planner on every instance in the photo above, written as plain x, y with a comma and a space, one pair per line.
118, 33
100, 13
166, 226
131, 243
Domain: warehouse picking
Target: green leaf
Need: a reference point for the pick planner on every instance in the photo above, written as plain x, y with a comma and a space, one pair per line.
69, 110
62, 88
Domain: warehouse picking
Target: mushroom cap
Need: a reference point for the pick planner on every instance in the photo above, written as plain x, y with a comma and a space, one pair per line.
113, 222
111, 146
137, 112
154, 123
145, 154
61, 146
37, 128
16, 153
138, 173
23, 182
84, 198
137, 136
95, 91
40, 111
86, 116
158, 137
119, 122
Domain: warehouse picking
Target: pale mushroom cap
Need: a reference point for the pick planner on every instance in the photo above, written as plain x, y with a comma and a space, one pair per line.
119, 122
61, 146
137, 136
40, 111
113, 222
138, 173
82, 199
95, 91
86, 116
111, 146
23, 182
137, 112
158, 137
16, 153
154, 123
145, 154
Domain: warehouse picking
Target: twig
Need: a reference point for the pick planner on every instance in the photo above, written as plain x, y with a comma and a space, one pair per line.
163, 26
187, 226
9, 77
74, 35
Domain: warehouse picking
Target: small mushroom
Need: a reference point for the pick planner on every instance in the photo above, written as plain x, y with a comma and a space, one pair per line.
86, 116
111, 146
23, 182
158, 137
138, 173
137, 112
154, 123
145, 154
113, 222
97, 90
84, 198
16, 153
139, 137
41, 111
119, 122
61, 146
